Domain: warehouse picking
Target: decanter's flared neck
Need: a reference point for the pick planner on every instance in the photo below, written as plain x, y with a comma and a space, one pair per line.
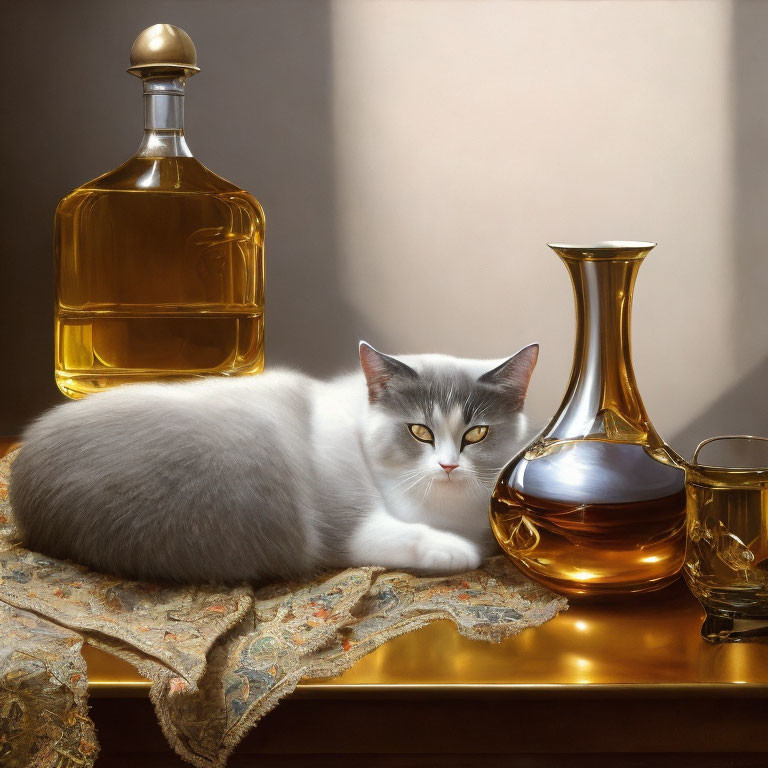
602, 400
163, 117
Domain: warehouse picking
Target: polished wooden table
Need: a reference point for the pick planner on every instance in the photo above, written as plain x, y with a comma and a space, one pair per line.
612, 683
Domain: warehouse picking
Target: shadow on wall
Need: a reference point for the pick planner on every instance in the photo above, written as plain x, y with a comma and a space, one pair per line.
259, 114
744, 407
740, 410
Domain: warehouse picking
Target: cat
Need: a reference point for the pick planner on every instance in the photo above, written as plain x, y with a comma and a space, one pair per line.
279, 475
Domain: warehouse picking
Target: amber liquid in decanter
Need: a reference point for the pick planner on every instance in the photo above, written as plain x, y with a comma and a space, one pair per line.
596, 505
159, 264
588, 548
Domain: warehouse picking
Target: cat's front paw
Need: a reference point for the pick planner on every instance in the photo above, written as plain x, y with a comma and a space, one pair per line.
442, 552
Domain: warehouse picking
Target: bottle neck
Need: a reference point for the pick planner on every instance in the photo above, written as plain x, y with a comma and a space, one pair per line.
163, 118
602, 400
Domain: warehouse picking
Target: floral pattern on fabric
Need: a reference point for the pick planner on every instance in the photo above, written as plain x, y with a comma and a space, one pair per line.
44, 719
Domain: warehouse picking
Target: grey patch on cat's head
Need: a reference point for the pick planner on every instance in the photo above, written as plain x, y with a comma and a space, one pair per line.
447, 383
448, 395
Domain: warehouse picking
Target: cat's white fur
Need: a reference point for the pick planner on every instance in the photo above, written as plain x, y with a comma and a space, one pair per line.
280, 475
405, 528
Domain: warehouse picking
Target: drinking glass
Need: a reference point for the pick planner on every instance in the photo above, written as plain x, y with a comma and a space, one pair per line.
726, 564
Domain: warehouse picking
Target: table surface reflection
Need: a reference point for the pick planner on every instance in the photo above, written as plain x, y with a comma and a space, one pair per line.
649, 641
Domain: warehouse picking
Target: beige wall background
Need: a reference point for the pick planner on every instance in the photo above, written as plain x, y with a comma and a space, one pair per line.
414, 157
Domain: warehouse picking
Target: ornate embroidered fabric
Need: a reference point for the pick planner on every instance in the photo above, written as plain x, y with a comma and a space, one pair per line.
218, 659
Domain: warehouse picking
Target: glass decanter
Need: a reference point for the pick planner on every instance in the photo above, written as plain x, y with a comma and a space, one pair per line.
159, 264
596, 505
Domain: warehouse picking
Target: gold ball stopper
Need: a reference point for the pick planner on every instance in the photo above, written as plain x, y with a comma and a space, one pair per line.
163, 49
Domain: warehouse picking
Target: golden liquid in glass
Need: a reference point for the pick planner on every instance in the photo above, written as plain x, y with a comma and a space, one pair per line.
159, 275
726, 564
592, 549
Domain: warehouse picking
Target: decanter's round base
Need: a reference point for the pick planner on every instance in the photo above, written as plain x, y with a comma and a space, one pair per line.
597, 591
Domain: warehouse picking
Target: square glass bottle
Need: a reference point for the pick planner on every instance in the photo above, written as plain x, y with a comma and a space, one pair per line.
159, 264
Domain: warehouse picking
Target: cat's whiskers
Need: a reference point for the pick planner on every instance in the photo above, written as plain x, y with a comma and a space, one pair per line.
413, 485
479, 484
408, 478
481, 478
427, 489
407, 475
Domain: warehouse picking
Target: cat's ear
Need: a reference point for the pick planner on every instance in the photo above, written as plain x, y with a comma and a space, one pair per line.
514, 375
379, 369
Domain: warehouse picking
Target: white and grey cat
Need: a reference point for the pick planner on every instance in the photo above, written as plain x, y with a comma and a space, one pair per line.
279, 475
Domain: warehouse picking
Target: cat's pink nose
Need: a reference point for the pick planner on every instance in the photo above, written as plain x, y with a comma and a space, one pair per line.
448, 467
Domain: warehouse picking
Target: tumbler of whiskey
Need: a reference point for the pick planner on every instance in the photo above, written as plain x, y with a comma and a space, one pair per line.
726, 565
159, 264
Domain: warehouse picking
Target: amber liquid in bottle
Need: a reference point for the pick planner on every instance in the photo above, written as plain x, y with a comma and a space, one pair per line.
160, 275
159, 265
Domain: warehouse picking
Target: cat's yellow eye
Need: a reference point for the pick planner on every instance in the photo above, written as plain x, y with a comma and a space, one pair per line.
421, 433
475, 435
